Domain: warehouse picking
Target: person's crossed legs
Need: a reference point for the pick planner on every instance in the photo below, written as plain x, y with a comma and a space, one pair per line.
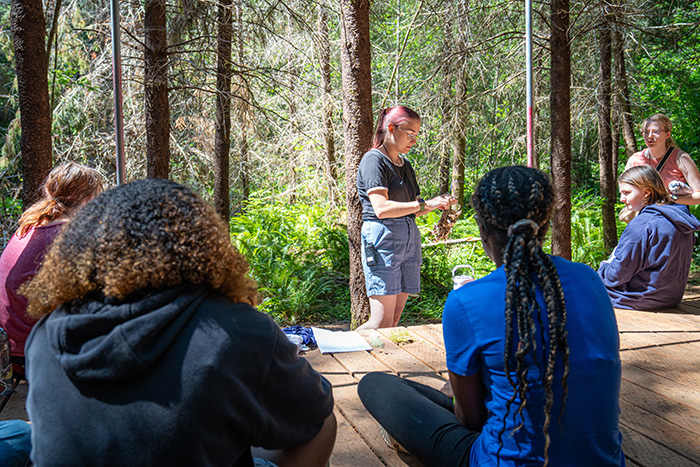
419, 417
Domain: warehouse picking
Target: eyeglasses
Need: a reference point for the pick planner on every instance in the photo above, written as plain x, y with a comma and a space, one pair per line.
654, 133
412, 136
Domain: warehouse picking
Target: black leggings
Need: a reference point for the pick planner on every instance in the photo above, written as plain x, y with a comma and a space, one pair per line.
419, 417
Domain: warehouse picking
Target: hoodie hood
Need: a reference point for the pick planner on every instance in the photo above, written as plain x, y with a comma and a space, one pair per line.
109, 340
677, 214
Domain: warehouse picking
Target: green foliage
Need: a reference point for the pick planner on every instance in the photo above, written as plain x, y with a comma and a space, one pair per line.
587, 230
299, 257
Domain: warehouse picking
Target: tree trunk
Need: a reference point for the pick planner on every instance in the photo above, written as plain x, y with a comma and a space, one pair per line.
560, 120
244, 113
324, 53
222, 140
156, 90
357, 121
615, 135
623, 93
459, 139
446, 98
607, 179
27, 25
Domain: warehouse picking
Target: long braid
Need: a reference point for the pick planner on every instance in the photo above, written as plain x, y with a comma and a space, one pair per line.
513, 207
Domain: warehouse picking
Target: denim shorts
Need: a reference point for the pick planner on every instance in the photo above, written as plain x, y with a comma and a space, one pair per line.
391, 256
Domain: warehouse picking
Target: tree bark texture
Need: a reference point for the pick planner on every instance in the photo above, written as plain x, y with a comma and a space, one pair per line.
242, 93
357, 121
156, 90
623, 93
560, 146
324, 54
293, 72
28, 33
615, 135
607, 179
446, 98
222, 140
459, 139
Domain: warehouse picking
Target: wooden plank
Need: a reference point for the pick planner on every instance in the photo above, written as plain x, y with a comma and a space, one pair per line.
348, 403
646, 452
431, 333
423, 350
665, 387
359, 364
404, 364
673, 319
16, 405
662, 354
350, 450
664, 434
662, 407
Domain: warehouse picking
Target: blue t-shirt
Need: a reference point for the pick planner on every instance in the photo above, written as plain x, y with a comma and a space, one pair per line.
474, 326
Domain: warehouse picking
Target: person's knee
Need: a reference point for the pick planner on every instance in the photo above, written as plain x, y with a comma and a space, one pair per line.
371, 384
15, 442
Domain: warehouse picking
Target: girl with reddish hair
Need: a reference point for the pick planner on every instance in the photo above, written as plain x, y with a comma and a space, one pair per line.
67, 188
391, 199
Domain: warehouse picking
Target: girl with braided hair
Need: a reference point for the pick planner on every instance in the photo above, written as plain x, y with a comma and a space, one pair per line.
649, 267
67, 188
523, 396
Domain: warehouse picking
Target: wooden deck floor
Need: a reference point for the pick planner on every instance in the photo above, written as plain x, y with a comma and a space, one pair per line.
660, 396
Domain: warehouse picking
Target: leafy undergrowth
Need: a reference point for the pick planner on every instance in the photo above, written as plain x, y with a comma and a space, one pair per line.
299, 256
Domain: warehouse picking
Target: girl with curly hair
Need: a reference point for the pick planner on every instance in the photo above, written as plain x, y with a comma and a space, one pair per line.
67, 188
150, 341
523, 396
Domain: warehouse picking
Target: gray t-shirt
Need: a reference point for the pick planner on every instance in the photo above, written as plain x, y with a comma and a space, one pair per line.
377, 171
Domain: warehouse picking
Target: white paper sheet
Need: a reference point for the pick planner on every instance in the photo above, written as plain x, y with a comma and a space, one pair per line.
339, 341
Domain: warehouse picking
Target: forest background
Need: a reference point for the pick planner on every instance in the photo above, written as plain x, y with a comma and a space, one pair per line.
460, 64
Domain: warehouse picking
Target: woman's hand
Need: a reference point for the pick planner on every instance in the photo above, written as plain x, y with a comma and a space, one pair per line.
385, 208
441, 202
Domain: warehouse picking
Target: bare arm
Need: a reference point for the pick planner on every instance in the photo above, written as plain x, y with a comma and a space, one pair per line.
470, 408
690, 172
313, 453
385, 208
633, 157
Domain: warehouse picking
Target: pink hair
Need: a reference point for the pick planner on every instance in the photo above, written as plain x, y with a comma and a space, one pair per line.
396, 115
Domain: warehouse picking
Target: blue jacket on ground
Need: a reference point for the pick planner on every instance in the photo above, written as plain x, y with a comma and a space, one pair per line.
648, 270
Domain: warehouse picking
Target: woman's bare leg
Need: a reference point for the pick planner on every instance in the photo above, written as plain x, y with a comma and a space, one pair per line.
385, 311
398, 308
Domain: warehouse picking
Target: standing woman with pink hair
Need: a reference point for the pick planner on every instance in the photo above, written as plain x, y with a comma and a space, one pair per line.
67, 188
390, 196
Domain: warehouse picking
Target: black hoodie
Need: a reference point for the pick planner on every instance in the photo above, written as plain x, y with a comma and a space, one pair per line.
178, 376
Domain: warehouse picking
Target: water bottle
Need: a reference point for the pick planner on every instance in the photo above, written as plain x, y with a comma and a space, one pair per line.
458, 280
6, 383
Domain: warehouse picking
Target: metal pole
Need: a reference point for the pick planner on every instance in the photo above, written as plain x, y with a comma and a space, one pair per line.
398, 49
117, 79
528, 59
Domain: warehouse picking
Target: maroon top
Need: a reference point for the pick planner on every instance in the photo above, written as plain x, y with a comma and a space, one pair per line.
19, 262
